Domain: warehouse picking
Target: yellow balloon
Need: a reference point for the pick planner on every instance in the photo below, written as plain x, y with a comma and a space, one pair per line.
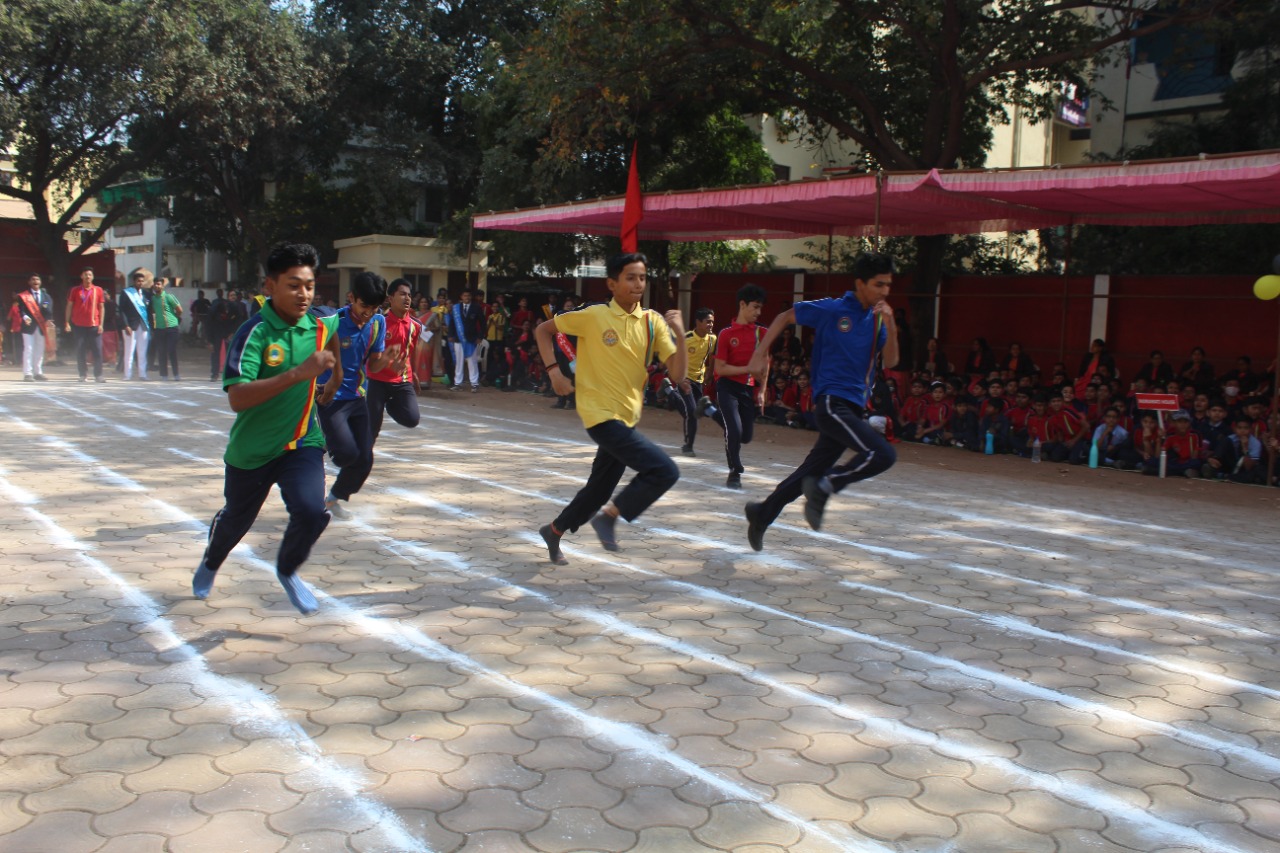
1267, 287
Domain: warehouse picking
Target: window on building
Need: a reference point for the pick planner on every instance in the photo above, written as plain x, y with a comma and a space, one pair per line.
132, 229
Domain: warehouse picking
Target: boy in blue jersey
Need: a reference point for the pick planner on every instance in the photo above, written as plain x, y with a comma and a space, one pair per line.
362, 334
851, 334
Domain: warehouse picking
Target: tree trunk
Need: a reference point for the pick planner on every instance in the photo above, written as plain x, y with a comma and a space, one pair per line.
924, 289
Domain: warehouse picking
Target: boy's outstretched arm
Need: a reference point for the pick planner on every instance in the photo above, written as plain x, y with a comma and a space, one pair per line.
759, 364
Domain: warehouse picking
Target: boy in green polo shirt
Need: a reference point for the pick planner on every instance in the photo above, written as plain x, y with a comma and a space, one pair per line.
616, 343
270, 379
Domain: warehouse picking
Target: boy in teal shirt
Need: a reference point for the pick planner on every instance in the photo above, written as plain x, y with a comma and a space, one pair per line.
270, 377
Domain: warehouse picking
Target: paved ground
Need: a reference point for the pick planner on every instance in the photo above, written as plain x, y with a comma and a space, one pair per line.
975, 655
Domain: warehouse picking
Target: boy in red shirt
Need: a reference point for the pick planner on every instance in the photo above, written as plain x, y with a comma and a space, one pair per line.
1017, 417
1066, 428
799, 401
394, 389
1037, 425
1182, 448
911, 413
1144, 446
739, 392
937, 415
86, 311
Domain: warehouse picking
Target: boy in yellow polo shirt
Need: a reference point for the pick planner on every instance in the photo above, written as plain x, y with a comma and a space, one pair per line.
616, 343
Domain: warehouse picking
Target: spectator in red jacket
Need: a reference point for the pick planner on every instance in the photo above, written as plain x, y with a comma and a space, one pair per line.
937, 415
1182, 448
1066, 429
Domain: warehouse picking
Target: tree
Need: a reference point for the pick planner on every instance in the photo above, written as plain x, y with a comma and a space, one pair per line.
72, 78
722, 256
1249, 120
916, 84
246, 114
693, 143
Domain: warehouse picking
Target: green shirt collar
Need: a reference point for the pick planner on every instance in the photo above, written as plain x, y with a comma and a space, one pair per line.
272, 319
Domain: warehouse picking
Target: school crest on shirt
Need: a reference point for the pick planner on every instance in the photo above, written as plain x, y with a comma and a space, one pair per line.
733, 342
610, 338
274, 356
346, 343
844, 324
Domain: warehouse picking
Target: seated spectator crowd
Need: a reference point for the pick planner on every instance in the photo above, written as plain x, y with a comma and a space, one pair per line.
1222, 430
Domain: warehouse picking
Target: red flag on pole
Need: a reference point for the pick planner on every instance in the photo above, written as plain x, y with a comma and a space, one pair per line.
633, 211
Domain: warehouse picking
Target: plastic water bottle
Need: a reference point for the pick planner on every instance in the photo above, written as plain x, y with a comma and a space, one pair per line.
1035, 450
1093, 454
991, 444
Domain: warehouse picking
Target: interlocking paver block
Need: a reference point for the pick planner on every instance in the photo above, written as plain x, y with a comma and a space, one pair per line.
237, 830
53, 831
734, 824
492, 809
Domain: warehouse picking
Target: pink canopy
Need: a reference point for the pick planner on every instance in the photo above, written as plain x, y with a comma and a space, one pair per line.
1219, 189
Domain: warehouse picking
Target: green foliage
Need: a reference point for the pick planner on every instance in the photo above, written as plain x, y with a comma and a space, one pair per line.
722, 256
72, 77
965, 254
914, 83
242, 111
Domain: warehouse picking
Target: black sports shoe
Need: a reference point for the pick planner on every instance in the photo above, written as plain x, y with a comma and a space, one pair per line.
755, 530
734, 481
553, 545
815, 500
687, 450
603, 524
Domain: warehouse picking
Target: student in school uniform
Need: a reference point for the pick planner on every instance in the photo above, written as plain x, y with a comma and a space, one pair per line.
272, 366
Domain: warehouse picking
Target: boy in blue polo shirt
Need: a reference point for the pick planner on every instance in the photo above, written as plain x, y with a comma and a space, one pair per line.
851, 334
272, 366
348, 431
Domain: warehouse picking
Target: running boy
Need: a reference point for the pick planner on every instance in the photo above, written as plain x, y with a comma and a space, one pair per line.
616, 343
270, 378
700, 347
394, 386
362, 335
851, 334
740, 389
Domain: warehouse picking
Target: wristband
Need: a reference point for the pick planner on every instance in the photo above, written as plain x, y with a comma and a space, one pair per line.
555, 365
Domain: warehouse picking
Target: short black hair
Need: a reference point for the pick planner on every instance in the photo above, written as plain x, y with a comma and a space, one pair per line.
370, 288
615, 265
703, 313
397, 284
751, 293
286, 256
871, 264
